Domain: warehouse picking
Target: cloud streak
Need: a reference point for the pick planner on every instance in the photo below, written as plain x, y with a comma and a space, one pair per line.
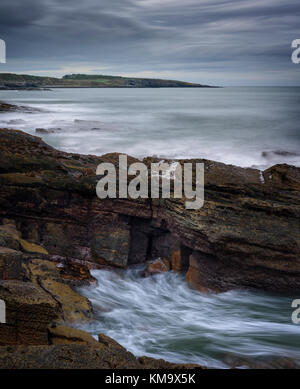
224, 41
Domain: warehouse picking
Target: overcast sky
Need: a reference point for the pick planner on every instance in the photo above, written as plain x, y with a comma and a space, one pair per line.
221, 42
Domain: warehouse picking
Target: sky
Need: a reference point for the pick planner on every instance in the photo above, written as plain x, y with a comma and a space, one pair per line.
216, 42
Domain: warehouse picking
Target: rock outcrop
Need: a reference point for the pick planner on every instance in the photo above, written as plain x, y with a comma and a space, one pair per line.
246, 235
53, 230
26, 261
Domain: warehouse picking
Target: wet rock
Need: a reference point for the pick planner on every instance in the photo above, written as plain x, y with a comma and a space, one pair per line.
75, 308
158, 265
47, 130
75, 274
110, 343
194, 276
4, 107
110, 246
29, 311
43, 131
262, 362
65, 356
33, 264
77, 356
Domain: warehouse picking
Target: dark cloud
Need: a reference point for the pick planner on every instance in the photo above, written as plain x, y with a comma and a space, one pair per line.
229, 41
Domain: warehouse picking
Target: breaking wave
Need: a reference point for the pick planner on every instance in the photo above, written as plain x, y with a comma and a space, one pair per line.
160, 316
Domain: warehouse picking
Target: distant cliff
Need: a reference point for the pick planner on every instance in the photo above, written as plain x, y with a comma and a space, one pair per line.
23, 81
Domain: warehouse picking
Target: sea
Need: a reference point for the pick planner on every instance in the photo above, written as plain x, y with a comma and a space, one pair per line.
244, 126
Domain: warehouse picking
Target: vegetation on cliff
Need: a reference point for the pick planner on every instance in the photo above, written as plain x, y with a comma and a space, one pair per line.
10, 80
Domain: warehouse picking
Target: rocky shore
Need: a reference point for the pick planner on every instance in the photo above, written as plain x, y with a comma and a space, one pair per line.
54, 229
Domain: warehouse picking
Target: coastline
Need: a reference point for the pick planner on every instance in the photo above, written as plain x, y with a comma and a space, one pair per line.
54, 230
10, 81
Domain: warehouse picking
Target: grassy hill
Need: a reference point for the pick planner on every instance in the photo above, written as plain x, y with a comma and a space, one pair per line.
19, 81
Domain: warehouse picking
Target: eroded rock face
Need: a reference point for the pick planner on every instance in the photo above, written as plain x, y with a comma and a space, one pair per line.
246, 235
31, 263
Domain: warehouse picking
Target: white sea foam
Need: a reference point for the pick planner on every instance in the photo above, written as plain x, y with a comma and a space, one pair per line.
160, 316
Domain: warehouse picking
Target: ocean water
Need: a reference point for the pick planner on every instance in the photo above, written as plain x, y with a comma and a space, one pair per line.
160, 316
245, 126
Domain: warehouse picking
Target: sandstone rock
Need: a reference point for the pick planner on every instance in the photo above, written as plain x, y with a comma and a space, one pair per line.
176, 261
158, 265
110, 343
194, 276
72, 274
152, 363
45, 274
245, 236
271, 362
91, 355
75, 274
11, 266
29, 311
66, 335
65, 356
4, 107
180, 259
75, 308
111, 246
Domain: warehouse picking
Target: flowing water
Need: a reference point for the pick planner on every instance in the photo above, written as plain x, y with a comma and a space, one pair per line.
245, 126
160, 316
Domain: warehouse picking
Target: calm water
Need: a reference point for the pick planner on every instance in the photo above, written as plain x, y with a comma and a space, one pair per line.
231, 125
162, 317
